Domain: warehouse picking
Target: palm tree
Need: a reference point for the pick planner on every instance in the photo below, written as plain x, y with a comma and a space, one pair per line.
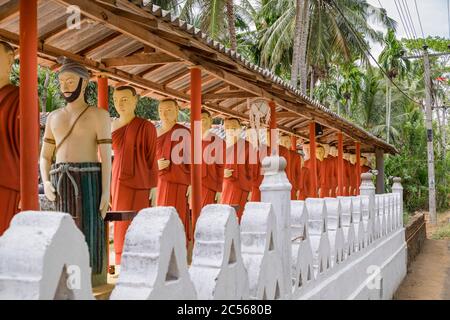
323, 33
218, 18
392, 61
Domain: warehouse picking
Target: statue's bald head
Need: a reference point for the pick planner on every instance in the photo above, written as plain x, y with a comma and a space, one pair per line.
6, 57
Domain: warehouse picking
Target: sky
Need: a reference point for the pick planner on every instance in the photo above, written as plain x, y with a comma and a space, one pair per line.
433, 15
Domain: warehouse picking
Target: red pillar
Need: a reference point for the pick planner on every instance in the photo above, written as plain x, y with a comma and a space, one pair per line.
28, 106
358, 165
340, 165
102, 87
293, 143
196, 143
273, 129
312, 157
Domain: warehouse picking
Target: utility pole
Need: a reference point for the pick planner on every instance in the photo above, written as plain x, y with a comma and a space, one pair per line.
430, 150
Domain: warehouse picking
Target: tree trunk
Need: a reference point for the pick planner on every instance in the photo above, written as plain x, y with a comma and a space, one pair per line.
297, 38
312, 81
231, 24
387, 110
303, 47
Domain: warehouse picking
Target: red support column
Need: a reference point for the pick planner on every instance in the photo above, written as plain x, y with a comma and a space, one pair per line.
196, 143
28, 106
102, 92
273, 129
340, 165
312, 157
358, 165
293, 143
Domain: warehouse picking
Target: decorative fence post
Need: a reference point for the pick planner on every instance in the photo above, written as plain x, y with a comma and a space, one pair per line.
397, 188
367, 188
276, 189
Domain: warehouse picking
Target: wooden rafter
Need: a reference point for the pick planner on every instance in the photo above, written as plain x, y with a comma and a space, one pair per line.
9, 9
228, 95
139, 59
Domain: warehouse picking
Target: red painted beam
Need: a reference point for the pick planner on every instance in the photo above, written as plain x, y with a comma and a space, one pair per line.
28, 106
312, 157
196, 143
358, 166
340, 164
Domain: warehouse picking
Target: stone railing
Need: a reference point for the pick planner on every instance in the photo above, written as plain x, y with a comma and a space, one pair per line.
331, 248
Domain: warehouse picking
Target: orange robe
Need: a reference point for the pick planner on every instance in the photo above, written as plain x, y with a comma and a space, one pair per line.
289, 156
258, 176
328, 178
212, 169
347, 174
134, 173
311, 192
353, 183
305, 184
9, 155
236, 188
333, 171
174, 180
322, 182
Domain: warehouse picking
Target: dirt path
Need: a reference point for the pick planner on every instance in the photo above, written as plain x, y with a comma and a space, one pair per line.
429, 275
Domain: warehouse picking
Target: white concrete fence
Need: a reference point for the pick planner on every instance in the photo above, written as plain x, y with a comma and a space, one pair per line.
331, 248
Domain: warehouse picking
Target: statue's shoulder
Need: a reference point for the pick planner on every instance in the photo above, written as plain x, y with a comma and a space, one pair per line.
99, 112
54, 114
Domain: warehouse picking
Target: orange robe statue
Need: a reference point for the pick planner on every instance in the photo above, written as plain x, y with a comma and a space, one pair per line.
212, 168
329, 178
173, 181
305, 184
296, 167
134, 173
257, 175
347, 175
236, 188
9, 155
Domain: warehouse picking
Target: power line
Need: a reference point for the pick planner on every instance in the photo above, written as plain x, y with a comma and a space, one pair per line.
404, 24
365, 48
408, 18
420, 22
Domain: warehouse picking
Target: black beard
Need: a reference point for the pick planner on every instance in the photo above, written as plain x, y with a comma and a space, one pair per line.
75, 94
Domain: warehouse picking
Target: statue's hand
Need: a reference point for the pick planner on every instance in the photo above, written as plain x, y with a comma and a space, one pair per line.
218, 197
49, 191
104, 204
227, 173
152, 197
163, 164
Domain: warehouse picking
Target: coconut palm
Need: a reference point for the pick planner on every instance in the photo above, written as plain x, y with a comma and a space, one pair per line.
395, 65
324, 30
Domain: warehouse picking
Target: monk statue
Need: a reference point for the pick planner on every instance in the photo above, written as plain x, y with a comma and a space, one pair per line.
173, 156
333, 170
305, 178
328, 178
321, 175
364, 163
262, 150
9, 139
353, 173
134, 170
347, 174
75, 136
213, 150
238, 172
293, 163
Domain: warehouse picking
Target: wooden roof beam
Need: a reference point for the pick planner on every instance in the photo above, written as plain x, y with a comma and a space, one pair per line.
139, 59
9, 9
228, 95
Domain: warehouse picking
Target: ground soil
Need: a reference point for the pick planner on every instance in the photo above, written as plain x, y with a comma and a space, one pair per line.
428, 277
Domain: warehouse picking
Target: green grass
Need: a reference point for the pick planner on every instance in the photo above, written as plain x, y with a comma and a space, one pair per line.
442, 232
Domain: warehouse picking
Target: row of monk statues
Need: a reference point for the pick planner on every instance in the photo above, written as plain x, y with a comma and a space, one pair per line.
151, 164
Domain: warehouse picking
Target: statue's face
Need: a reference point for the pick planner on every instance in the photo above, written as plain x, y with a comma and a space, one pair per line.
206, 122
352, 158
6, 61
362, 161
125, 102
168, 111
320, 153
232, 128
346, 156
285, 141
326, 150
69, 85
333, 151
